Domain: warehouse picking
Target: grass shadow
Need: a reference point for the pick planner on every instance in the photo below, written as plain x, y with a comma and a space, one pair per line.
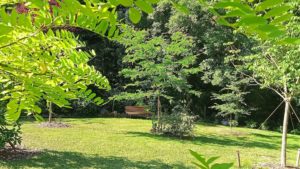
74, 160
211, 139
271, 137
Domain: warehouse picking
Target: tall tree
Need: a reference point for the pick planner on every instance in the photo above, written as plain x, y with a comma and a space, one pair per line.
210, 40
156, 65
230, 100
274, 66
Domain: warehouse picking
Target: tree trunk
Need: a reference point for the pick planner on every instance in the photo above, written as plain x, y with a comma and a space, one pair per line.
230, 121
50, 112
12, 146
158, 113
284, 132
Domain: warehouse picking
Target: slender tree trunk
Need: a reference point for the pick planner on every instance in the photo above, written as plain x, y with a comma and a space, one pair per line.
50, 112
284, 132
158, 113
12, 146
230, 121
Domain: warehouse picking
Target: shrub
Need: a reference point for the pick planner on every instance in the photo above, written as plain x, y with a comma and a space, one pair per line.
9, 134
251, 124
265, 126
233, 123
175, 124
296, 131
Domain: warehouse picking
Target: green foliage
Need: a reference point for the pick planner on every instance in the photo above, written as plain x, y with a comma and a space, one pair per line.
276, 66
296, 131
251, 124
209, 163
9, 134
233, 123
41, 59
265, 126
157, 64
214, 44
47, 72
178, 124
134, 15
232, 97
265, 20
157, 68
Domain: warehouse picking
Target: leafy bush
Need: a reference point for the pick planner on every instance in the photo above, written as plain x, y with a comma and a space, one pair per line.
9, 134
296, 131
175, 124
204, 163
233, 123
251, 124
265, 126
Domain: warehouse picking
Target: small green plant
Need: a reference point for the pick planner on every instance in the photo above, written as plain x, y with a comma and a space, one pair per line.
9, 134
233, 123
251, 124
296, 131
209, 163
265, 126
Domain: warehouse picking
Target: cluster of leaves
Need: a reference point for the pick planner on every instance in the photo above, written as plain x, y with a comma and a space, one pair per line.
41, 59
274, 65
231, 98
155, 64
265, 20
209, 163
9, 134
214, 43
50, 68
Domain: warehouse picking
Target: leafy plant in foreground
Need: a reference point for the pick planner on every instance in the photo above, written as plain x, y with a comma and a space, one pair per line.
204, 163
40, 58
10, 135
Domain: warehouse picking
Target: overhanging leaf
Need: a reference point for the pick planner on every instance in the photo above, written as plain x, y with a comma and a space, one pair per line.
134, 15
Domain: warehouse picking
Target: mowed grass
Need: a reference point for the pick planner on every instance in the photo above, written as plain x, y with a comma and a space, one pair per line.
127, 143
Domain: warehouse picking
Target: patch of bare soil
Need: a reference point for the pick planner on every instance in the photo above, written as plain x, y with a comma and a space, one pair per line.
8, 154
54, 125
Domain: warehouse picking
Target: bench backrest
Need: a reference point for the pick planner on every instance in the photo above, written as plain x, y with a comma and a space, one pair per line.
140, 109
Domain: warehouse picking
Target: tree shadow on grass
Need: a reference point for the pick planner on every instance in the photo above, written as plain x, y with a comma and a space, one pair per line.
81, 120
211, 139
74, 160
267, 136
277, 139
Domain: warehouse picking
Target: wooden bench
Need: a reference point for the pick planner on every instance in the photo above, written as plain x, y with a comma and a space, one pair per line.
136, 111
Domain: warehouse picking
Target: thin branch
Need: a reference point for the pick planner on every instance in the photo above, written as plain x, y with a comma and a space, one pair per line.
19, 40
271, 114
272, 61
294, 112
258, 83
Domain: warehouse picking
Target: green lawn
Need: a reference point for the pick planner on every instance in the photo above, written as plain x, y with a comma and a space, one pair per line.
127, 143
